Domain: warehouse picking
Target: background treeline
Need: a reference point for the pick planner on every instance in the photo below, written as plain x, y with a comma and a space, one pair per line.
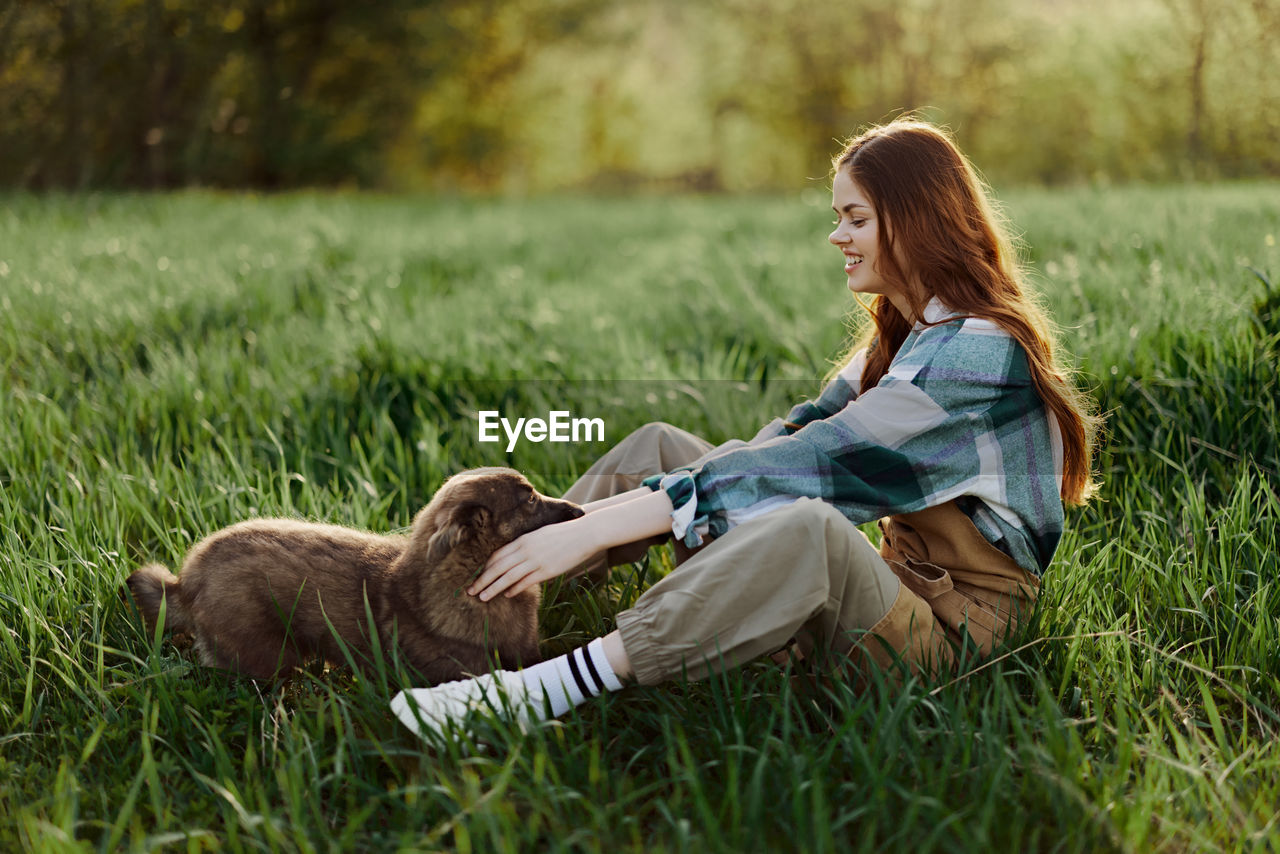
542, 94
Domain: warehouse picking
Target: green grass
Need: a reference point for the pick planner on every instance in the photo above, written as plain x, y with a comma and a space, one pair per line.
173, 364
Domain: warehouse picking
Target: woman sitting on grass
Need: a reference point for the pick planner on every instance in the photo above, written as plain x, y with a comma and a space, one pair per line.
954, 425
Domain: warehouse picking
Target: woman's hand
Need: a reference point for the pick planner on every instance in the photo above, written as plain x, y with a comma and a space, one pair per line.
555, 549
535, 557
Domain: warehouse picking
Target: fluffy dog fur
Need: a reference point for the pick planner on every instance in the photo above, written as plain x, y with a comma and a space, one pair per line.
259, 597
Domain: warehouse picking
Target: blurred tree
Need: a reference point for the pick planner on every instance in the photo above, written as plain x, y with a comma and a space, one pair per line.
259, 92
468, 126
1196, 21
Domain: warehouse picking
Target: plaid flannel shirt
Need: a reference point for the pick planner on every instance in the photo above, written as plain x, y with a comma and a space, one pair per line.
954, 417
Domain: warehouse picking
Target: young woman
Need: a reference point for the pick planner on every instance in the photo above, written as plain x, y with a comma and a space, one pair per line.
953, 424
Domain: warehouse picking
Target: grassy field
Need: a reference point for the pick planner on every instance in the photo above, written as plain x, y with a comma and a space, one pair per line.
172, 364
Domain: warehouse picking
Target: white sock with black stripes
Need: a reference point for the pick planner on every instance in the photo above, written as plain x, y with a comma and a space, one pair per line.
563, 682
573, 678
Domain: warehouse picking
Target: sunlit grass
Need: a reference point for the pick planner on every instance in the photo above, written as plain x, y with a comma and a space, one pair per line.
173, 364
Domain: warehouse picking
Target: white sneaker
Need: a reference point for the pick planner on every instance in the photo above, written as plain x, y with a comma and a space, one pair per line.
428, 711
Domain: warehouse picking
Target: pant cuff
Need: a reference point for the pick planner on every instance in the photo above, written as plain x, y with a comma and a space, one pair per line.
637, 633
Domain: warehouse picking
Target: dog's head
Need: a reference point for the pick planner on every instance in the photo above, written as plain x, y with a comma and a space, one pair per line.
481, 510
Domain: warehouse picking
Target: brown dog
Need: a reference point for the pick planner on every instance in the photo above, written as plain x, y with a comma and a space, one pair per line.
260, 597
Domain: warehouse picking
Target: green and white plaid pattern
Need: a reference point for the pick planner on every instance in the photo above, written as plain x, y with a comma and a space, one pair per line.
955, 417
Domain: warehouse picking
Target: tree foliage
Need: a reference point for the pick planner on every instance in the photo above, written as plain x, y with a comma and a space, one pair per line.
735, 94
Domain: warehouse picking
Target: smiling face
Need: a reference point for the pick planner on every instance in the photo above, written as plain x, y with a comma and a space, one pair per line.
857, 236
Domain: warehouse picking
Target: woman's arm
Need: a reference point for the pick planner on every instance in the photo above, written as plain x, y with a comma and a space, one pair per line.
554, 550
621, 497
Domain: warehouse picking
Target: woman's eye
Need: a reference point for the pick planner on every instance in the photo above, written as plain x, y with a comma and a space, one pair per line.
857, 223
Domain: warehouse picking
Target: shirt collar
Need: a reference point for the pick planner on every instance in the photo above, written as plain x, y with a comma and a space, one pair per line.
935, 312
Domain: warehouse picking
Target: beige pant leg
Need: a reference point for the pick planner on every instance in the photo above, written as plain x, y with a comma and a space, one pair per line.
652, 449
802, 571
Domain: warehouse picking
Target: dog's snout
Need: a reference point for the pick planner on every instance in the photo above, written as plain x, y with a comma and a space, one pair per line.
558, 510
568, 510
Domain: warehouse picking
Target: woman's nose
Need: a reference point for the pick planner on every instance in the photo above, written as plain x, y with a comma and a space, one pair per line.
836, 237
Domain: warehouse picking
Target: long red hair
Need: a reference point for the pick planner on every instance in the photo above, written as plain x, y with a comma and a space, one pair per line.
943, 237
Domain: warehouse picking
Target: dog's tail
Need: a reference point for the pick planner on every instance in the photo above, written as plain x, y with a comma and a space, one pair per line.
153, 585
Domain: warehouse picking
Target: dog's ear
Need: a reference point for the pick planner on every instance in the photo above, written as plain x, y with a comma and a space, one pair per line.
464, 521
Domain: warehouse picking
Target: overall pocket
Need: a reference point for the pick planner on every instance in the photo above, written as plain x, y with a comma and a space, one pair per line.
957, 609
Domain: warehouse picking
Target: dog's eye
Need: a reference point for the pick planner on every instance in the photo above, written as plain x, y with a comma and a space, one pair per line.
533, 497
